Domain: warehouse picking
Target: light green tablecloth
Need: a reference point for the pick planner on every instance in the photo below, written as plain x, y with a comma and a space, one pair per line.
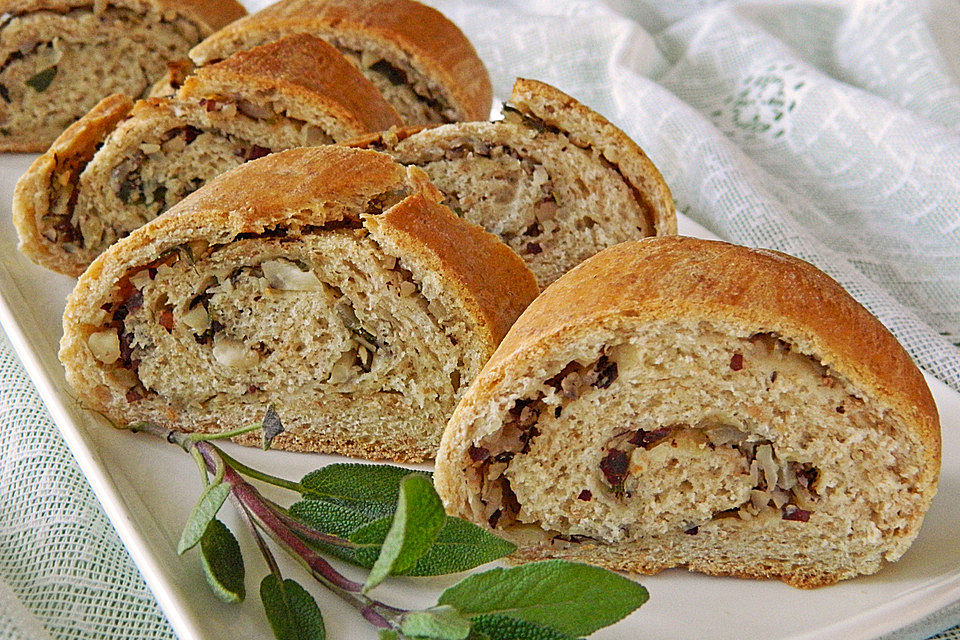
828, 130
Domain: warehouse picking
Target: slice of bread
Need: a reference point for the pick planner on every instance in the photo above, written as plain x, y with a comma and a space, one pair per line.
327, 281
679, 402
109, 174
61, 57
420, 61
554, 179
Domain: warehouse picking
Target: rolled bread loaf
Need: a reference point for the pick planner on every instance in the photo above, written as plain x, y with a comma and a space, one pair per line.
325, 280
679, 402
123, 164
554, 179
419, 60
60, 57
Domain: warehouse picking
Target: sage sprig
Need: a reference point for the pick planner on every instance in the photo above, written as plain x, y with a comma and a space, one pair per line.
391, 521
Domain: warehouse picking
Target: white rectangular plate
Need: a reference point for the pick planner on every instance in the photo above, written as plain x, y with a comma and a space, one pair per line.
148, 487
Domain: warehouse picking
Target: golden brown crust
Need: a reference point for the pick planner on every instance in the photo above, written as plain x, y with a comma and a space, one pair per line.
601, 556
585, 126
73, 149
385, 139
305, 69
492, 280
433, 44
692, 278
209, 15
213, 14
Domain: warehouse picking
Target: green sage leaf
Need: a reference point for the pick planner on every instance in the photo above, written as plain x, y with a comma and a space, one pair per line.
459, 546
438, 623
496, 627
41, 81
387, 634
371, 488
492, 627
203, 513
371, 536
223, 562
328, 517
292, 612
332, 519
573, 598
416, 523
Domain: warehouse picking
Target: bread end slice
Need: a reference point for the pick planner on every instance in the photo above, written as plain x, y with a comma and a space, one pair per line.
555, 180
421, 62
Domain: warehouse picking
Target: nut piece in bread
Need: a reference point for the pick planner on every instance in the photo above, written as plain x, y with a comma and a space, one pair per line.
419, 60
344, 294
61, 57
677, 402
105, 176
554, 179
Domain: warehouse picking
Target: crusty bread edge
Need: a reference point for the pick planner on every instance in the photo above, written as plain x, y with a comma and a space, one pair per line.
646, 565
493, 281
80, 141
332, 85
556, 109
430, 41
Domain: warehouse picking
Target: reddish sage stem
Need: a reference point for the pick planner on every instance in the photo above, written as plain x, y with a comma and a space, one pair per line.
256, 505
277, 525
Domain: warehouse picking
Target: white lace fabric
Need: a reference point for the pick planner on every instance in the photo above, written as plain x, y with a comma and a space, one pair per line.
827, 130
